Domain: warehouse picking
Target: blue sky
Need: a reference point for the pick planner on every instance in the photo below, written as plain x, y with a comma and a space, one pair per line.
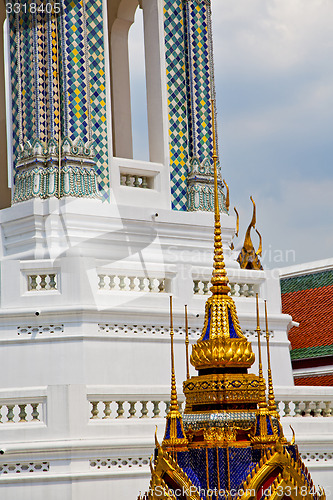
274, 85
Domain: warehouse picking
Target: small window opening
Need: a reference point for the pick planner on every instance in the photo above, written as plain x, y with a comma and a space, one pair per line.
138, 88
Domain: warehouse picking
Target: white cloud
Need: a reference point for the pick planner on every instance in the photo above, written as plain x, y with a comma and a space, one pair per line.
275, 99
272, 34
275, 96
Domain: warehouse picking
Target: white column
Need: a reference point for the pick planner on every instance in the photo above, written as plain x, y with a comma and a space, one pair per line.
156, 81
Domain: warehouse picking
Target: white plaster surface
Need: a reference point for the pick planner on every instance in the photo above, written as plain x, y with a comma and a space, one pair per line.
86, 357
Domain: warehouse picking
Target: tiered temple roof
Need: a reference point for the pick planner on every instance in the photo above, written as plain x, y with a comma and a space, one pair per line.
229, 443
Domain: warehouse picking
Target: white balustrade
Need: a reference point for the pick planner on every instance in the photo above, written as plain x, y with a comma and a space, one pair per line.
130, 407
113, 406
202, 286
155, 408
305, 408
42, 282
136, 181
132, 283
20, 412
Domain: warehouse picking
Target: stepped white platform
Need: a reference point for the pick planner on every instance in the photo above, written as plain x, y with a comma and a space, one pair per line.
84, 339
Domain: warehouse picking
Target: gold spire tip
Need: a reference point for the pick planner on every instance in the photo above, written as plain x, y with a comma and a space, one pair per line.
220, 284
186, 345
262, 389
271, 397
174, 401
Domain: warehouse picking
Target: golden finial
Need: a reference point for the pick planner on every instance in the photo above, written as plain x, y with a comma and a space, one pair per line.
227, 200
220, 284
237, 222
262, 395
248, 245
248, 257
174, 400
187, 344
174, 437
259, 251
157, 444
271, 398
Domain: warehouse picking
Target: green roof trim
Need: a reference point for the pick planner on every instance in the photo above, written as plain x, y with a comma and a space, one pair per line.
312, 352
307, 281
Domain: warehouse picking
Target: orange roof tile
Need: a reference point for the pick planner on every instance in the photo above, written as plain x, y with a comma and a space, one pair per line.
313, 309
318, 380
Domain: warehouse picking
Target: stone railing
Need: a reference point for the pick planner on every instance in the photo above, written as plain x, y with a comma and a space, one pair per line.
132, 283
22, 406
136, 181
41, 282
129, 407
238, 289
297, 404
20, 412
305, 408
302, 401
110, 402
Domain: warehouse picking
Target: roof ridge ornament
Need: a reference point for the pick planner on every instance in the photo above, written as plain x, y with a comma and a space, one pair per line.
248, 257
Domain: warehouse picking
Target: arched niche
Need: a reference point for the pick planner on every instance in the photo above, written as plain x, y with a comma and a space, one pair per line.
121, 15
5, 194
120, 18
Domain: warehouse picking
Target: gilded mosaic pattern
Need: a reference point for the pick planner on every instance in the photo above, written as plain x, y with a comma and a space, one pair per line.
190, 89
177, 100
46, 51
199, 76
94, 10
74, 26
15, 61
28, 77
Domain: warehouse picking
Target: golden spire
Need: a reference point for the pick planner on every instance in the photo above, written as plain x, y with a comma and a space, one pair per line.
222, 342
262, 390
220, 284
174, 436
174, 401
187, 344
271, 398
264, 432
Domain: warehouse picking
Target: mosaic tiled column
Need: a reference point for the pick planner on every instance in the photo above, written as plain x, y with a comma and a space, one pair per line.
190, 79
59, 102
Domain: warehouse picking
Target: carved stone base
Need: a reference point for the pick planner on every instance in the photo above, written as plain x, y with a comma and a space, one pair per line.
39, 174
200, 189
44, 183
